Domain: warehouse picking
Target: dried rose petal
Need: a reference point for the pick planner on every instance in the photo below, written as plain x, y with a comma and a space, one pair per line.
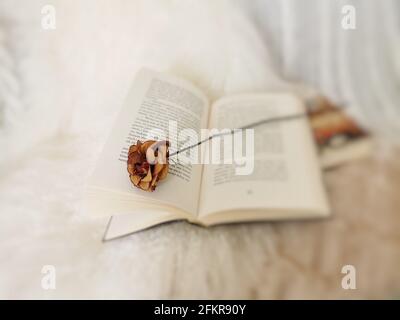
148, 163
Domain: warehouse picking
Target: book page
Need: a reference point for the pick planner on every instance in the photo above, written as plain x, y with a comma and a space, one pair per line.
280, 171
153, 102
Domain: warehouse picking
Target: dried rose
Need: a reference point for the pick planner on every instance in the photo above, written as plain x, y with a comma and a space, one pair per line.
148, 163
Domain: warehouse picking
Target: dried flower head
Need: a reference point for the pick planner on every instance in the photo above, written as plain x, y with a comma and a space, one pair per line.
148, 163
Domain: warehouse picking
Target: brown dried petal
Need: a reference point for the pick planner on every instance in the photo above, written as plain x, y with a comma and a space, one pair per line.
143, 174
154, 183
142, 169
144, 185
147, 178
133, 148
135, 179
158, 168
131, 168
163, 174
136, 157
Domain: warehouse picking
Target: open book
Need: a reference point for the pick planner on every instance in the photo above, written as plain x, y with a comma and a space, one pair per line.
284, 181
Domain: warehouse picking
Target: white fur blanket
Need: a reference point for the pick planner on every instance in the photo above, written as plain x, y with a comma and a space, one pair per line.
60, 91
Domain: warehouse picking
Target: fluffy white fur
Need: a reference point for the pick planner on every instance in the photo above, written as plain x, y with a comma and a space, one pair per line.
65, 89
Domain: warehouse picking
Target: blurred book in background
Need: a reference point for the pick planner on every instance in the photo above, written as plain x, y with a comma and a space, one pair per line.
339, 138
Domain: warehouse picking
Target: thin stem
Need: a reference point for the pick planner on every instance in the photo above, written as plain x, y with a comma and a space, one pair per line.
251, 125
